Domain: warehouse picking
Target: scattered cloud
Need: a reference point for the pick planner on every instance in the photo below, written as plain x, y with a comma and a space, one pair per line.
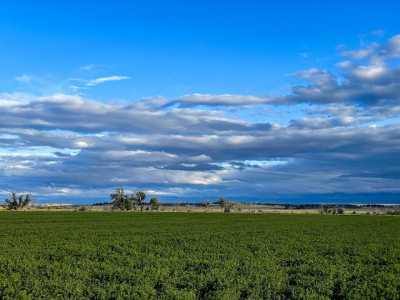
378, 32
89, 67
24, 78
101, 80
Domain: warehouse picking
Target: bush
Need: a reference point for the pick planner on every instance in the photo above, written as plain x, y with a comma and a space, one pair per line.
154, 204
340, 211
82, 208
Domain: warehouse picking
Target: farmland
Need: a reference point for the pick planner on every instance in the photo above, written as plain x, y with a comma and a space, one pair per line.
100, 255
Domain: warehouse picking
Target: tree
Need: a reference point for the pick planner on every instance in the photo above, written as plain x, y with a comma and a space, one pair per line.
221, 202
140, 197
225, 204
133, 201
324, 209
16, 202
123, 201
228, 206
128, 203
154, 203
119, 199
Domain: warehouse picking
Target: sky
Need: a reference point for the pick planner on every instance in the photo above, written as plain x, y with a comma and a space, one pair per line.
274, 101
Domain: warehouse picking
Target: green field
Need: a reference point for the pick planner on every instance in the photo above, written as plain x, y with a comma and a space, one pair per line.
198, 256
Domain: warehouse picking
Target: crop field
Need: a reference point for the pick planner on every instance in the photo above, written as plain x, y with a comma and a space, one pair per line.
81, 255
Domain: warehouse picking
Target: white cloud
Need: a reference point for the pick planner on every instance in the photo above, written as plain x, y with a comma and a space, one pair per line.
88, 67
101, 80
370, 72
15, 99
362, 53
317, 76
24, 78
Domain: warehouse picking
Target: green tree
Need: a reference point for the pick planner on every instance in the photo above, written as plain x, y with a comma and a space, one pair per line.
133, 201
154, 203
128, 203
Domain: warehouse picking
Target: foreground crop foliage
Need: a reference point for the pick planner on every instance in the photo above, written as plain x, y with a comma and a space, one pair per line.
198, 256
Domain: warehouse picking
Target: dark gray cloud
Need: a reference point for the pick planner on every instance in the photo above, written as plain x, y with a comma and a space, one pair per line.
73, 113
220, 100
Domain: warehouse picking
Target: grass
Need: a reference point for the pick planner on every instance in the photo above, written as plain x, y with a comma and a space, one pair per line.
85, 255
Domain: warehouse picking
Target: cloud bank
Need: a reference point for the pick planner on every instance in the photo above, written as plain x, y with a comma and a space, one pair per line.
346, 141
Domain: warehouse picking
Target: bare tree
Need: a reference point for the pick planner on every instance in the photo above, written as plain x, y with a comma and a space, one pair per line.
225, 204
140, 197
123, 201
15, 202
119, 199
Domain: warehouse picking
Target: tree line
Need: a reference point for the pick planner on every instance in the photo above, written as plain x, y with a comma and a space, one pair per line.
121, 200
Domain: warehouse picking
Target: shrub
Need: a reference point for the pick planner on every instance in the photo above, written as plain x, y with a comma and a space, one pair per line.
82, 208
154, 203
340, 211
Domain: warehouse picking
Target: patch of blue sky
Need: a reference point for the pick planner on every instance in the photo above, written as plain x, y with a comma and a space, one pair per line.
36, 151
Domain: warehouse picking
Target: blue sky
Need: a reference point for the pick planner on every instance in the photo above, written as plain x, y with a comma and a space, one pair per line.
220, 74
174, 48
